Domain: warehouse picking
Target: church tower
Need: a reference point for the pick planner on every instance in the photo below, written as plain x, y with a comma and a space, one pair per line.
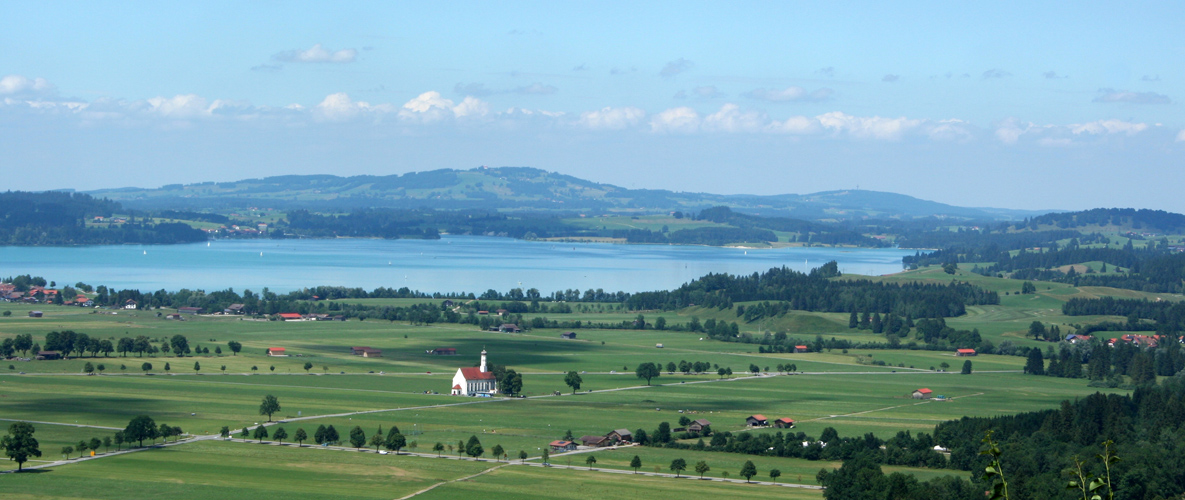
483, 361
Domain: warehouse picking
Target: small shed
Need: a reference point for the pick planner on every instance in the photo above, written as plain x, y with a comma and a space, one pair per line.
784, 423
965, 352
276, 351
801, 348
922, 393
372, 353
756, 421
568, 335
698, 425
46, 355
444, 351
36, 314
560, 445
509, 328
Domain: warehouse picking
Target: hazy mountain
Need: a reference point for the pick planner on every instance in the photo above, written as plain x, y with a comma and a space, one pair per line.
526, 188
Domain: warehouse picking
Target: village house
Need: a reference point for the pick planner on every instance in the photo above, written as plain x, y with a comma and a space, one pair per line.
560, 445
36, 314
620, 436
290, 316
189, 310
784, 423
233, 309
129, 304
594, 441
568, 335
756, 421
276, 351
801, 348
965, 352
47, 355
444, 351
474, 380
922, 393
506, 328
446, 303
698, 425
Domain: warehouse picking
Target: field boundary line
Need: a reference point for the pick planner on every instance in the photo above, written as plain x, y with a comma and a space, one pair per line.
60, 423
442, 483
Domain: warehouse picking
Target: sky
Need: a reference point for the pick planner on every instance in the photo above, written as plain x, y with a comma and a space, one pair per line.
1029, 105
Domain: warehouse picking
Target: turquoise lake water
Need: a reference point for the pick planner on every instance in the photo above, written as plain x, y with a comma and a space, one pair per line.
451, 264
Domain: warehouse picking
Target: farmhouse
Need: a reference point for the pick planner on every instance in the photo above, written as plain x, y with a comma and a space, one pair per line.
175, 316
36, 314
189, 310
130, 304
965, 352
446, 303
290, 316
594, 441
568, 335
233, 309
620, 436
562, 446
784, 423
801, 348
698, 425
756, 421
366, 352
474, 380
44, 355
922, 393
276, 351
444, 351
507, 328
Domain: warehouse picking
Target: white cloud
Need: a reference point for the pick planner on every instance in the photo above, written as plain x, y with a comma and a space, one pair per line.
950, 130
317, 54
339, 107
611, 118
18, 84
868, 127
730, 118
431, 107
1108, 127
675, 67
1127, 96
797, 125
1010, 131
471, 106
789, 94
679, 120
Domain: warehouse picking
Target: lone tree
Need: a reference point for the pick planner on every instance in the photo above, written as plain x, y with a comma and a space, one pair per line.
438, 448
67, 450
546, 456
774, 474
307, 366
497, 451
967, 367
139, 429
280, 434
260, 433
357, 437
473, 447
591, 460
225, 432
636, 463
301, 436
647, 371
269, 406
678, 465
522, 456
748, 470
119, 440
19, 444
235, 347
701, 467
573, 380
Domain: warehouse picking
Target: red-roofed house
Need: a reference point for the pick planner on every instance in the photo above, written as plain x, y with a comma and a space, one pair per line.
801, 348
474, 380
784, 423
756, 421
276, 351
562, 446
965, 352
290, 316
922, 393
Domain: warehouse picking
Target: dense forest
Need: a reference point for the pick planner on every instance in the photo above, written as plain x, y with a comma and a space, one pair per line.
58, 218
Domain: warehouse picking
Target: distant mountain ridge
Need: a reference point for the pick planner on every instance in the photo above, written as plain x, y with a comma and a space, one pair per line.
526, 188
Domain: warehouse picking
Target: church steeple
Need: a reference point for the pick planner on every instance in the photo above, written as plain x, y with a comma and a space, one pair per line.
483, 361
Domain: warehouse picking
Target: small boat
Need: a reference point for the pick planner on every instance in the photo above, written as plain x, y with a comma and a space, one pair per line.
146, 252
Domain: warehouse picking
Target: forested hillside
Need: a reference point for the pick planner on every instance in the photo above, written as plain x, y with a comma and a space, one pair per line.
56, 218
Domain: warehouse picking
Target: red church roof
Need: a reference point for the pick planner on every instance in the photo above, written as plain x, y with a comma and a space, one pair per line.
475, 373
457, 387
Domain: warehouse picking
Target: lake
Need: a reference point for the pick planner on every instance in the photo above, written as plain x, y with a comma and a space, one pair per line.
450, 264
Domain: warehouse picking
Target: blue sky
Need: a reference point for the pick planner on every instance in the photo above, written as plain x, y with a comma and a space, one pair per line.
1055, 105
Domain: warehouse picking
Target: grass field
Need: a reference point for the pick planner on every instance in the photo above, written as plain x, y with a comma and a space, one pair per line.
839, 389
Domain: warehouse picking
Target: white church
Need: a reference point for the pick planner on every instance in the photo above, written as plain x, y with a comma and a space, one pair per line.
474, 380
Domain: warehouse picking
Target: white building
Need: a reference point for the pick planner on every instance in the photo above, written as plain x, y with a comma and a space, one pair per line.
474, 380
